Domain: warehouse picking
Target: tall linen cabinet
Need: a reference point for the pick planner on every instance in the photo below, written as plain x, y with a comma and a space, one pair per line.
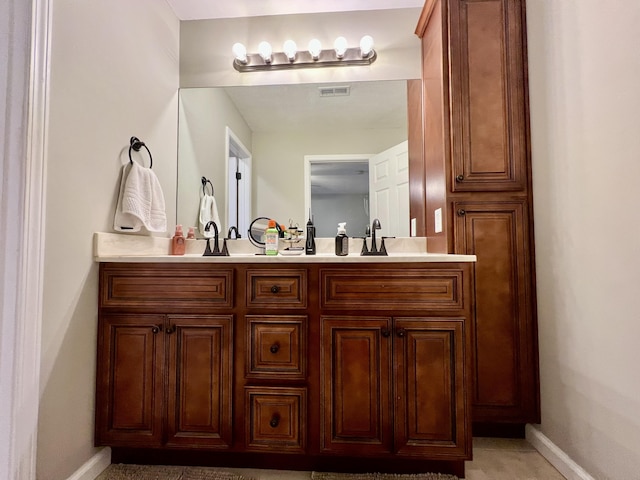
474, 187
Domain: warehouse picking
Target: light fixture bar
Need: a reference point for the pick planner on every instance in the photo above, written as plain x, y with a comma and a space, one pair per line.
303, 59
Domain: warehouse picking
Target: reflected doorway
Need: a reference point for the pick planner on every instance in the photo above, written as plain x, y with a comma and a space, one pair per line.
358, 188
337, 190
238, 184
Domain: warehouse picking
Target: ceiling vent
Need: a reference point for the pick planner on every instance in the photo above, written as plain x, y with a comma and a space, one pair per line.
342, 91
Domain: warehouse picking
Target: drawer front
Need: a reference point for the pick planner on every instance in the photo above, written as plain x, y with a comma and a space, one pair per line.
275, 419
166, 287
276, 347
408, 289
277, 288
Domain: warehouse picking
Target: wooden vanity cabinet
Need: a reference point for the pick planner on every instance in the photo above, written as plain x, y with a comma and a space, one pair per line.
392, 385
476, 147
288, 365
394, 374
164, 377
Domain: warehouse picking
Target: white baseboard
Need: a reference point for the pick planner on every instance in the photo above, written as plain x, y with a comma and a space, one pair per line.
94, 466
555, 455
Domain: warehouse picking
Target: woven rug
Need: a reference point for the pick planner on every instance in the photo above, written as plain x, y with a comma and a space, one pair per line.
381, 476
163, 472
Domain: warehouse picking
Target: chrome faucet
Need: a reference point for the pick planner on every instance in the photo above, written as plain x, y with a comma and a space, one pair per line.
216, 249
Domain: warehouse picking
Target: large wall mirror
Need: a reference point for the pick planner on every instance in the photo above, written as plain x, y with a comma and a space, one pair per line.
285, 131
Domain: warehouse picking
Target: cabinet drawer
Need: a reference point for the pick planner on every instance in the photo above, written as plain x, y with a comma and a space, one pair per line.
165, 287
276, 418
276, 347
408, 289
286, 288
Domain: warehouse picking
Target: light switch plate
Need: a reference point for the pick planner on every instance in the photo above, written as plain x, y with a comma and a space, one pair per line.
414, 227
438, 220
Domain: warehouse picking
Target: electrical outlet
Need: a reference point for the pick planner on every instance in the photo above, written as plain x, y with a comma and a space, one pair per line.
438, 220
414, 227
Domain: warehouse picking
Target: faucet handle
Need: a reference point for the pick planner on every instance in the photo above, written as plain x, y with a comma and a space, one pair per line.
365, 249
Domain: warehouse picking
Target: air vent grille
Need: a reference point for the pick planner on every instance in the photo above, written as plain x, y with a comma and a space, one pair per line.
341, 91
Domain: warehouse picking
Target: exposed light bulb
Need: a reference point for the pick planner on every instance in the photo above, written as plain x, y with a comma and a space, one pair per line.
340, 46
265, 51
366, 46
240, 52
290, 48
315, 47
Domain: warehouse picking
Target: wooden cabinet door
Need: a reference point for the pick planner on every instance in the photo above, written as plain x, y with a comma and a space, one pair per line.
506, 381
432, 414
488, 98
199, 380
129, 380
355, 368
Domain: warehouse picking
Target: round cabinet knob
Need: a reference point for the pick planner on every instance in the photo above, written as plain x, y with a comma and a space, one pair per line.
401, 332
461, 212
459, 178
275, 420
275, 289
171, 329
274, 348
386, 333
155, 329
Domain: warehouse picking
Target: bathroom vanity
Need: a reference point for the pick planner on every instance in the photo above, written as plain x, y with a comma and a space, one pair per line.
309, 362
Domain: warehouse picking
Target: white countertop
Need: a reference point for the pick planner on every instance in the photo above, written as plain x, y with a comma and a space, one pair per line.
116, 247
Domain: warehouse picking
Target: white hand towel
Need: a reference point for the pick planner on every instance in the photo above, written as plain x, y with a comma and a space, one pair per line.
208, 213
125, 222
143, 199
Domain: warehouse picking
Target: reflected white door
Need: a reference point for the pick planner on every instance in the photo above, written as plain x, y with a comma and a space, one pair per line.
389, 190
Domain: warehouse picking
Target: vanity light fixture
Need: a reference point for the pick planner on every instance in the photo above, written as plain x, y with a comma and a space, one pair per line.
314, 56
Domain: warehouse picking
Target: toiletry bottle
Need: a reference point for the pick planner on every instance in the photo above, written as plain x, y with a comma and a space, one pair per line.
342, 241
271, 236
177, 242
191, 233
310, 242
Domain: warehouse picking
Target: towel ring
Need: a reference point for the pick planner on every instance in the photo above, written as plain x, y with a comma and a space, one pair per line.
205, 180
136, 144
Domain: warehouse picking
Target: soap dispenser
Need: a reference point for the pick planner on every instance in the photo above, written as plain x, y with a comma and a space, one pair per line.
310, 241
178, 242
342, 241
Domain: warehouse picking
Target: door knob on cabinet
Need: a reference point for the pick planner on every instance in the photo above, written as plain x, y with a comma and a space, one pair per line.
275, 289
461, 212
156, 328
275, 420
171, 329
274, 348
401, 332
386, 333
459, 178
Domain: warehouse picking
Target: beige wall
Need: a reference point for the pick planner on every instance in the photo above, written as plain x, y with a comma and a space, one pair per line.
114, 74
585, 99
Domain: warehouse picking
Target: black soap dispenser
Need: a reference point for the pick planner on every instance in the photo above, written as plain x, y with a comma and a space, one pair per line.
310, 242
342, 240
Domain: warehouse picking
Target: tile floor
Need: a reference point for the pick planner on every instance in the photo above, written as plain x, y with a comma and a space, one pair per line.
493, 459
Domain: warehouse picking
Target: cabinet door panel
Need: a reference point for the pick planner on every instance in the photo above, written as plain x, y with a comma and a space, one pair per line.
488, 103
356, 388
431, 410
199, 396
129, 380
503, 330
